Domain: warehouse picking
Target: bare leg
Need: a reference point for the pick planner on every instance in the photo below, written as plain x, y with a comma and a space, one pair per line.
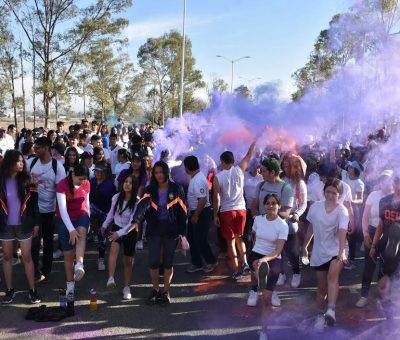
384, 288
112, 258
241, 247
154, 278
127, 270
322, 289
266, 308
81, 244
335, 269
232, 254
8, 247
168, 273
68, 263
28, 263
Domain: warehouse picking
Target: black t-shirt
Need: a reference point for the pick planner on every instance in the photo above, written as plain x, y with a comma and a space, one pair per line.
389, 212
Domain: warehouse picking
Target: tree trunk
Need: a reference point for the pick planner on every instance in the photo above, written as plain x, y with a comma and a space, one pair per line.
46, 94
56, 106
13, 99
34, 85
22, 84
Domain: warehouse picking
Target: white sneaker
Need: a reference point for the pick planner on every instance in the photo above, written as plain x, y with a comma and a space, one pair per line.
57, 254
362, 302
126, 293
319, 323
275, 300
330, 317
263, 336
111, 282
78, 271
15, 260
252, 299
139, 245
281, 280
296, 278
100, 264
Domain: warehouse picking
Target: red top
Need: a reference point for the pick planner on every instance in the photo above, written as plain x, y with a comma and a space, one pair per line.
77, 206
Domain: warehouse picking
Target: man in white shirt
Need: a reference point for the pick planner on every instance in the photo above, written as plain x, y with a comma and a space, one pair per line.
45, 173
114, 147
200, 218
230, 207
11, 135
95, 140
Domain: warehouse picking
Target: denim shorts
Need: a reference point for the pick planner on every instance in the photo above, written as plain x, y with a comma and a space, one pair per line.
63, 233
14, 232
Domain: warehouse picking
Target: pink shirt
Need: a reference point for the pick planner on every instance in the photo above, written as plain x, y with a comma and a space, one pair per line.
77, 205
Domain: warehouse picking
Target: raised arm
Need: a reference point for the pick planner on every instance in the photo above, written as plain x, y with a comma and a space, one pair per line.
244, 163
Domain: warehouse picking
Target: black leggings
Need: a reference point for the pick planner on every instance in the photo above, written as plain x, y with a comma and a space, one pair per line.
167, 245
291, 251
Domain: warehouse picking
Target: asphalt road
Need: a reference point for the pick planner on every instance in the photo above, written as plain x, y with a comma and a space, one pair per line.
203, 307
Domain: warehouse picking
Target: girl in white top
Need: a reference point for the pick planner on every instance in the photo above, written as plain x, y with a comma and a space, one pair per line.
119, 218
123, 163
270, 233
329, 222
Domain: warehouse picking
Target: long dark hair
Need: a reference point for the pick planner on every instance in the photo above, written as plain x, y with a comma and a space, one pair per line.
80, 169
142, 169
121, 197
66, 161
165, 169
10, 159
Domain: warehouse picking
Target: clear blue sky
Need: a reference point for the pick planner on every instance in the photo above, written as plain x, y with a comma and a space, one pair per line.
277, 34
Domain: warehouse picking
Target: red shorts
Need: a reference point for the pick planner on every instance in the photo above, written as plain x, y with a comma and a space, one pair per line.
232, 223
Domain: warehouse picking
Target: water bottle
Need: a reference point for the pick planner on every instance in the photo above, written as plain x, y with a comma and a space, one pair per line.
70, 304
63, 298
93, 300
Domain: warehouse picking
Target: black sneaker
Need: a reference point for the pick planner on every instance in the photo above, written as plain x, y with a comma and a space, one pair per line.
153, 297
9, 297
164, 300
33, 296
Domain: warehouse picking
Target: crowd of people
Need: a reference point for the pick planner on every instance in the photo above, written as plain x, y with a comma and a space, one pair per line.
312, 206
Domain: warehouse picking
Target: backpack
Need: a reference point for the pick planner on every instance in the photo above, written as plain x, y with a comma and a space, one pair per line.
262, 184
53, 164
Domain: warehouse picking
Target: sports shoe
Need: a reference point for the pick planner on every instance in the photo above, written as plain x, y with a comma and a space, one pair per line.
263, 336
192, 269
275, 300
263, 271
139, 245
40, 278
152, 298
33, 296
237, 276
245, 268
164, 299
252, 299
111, 283
9, 297
126, 293
295, 283
208, 268
58, 254
319, 323
281, 280
330, 317
100, 264
362, 302
349, 265
79, 272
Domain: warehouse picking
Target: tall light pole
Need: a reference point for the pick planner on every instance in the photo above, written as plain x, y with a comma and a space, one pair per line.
183, 60
232, 61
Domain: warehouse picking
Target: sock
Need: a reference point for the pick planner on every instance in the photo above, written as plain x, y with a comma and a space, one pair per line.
70, 286
255, 288
330, 306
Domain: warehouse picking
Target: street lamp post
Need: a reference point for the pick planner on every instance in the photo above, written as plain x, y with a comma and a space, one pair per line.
232, 61
183, 60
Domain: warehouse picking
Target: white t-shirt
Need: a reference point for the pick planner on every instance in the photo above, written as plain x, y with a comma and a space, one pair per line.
268, 233
231, 184
356, 185
87, 148
373, 201
250, 185
121, 166
80, 151
45, 179
318, 192
198, 188
114, 157
326, 231
10, 141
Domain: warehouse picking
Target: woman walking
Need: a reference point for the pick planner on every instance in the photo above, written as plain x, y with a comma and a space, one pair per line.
19, 214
